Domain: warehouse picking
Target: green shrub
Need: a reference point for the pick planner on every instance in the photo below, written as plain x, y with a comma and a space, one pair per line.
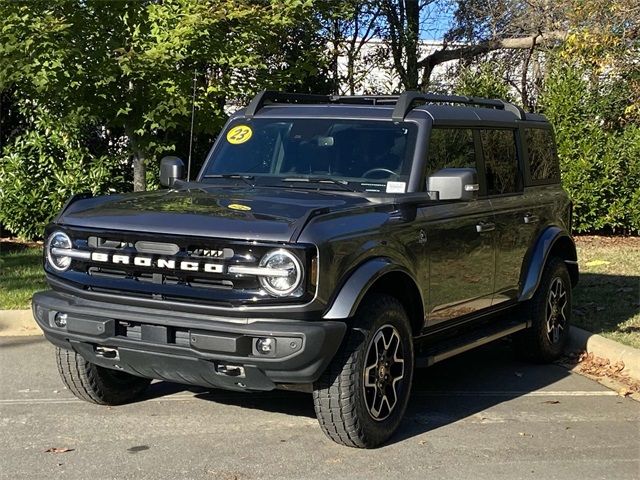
599, 152
43, 167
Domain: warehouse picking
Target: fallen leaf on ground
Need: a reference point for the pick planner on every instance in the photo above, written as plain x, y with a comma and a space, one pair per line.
596, 263
552, 402
624, 392
597, 367
58, 450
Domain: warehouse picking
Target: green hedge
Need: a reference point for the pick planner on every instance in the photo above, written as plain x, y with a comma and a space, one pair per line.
43, 167
599, 149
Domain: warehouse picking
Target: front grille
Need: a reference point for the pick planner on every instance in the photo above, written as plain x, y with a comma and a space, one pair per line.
195, 282
154, 279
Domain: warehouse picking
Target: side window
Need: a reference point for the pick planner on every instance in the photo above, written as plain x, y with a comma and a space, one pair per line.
451, 148
500, 161
543, 160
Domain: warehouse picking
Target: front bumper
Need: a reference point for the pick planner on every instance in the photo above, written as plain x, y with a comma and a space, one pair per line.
189, 348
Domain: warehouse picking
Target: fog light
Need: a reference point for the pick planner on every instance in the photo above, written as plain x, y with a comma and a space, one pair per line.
60, 320
265, 345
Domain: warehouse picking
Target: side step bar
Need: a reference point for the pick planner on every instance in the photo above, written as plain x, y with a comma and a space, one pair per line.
467, 341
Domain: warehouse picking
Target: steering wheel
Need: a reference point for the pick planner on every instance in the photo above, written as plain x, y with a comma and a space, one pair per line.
385, 170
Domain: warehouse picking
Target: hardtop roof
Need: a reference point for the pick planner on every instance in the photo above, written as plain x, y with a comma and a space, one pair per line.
409, 105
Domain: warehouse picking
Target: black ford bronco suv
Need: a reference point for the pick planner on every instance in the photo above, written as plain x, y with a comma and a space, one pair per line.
328, 244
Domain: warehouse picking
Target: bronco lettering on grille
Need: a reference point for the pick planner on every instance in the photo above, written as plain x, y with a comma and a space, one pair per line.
191, 265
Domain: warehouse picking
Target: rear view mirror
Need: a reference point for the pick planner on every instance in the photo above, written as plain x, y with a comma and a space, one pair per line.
454, 184
171, 169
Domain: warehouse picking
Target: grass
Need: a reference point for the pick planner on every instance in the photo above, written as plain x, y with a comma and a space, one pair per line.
607, 300
20, 274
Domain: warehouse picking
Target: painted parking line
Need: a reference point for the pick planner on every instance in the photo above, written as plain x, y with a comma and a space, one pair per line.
186, 397
511, 393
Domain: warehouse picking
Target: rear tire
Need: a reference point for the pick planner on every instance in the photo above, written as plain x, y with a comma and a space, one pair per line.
96, 384
549, 313
361, 397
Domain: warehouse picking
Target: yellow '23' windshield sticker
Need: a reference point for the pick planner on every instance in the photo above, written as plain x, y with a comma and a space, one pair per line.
239, 134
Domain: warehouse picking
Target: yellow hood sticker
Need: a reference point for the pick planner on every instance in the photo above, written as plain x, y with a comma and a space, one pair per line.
237, 206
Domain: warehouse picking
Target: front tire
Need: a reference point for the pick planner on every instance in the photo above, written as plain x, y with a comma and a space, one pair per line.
95, 384
362, 396
549, 313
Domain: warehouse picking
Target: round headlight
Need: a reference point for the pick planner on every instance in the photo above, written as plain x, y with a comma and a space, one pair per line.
289, 272
56, 244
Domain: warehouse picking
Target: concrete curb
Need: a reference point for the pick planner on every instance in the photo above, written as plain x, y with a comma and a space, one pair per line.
604, 348
20, 322
14, 323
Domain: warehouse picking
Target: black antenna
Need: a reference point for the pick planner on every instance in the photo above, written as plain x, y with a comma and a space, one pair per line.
193, 115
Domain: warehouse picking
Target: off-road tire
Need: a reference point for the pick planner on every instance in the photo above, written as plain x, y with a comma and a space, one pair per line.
535, 343
339, 395
96, 384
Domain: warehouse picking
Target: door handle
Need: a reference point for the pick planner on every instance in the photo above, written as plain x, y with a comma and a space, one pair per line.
483, 227
529, 218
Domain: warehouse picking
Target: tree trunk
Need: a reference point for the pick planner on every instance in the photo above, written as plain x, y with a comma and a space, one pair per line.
139, 166
411, 43
139, 172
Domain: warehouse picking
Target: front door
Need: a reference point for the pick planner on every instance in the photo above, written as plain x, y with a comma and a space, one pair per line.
459, 234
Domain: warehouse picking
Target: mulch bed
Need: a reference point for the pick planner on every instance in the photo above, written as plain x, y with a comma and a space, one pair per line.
604, 240
15, 244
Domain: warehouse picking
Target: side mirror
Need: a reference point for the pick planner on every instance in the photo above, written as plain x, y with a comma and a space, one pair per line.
171, 169
454, 184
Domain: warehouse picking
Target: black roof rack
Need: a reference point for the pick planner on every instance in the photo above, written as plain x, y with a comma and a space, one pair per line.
404, 103
407, 101
269, 96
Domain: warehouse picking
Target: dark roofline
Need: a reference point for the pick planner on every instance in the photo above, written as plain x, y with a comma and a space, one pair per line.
408, 100
403, 103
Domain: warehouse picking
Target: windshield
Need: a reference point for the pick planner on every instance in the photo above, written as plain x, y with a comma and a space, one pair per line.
320, 153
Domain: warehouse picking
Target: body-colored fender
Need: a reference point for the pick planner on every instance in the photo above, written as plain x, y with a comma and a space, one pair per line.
553, 241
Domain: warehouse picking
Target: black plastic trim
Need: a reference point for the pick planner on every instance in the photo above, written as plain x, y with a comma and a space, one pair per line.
320, 340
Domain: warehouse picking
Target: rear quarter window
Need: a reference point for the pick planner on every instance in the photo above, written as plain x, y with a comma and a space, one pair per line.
543, 157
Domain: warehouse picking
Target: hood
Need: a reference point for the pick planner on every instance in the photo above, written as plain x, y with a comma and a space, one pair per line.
264, 214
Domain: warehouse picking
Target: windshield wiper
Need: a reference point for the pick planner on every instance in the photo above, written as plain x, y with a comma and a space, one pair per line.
234, 176
343, 184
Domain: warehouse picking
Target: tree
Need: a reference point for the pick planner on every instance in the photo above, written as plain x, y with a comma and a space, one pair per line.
349, 26
129, 66
479, 27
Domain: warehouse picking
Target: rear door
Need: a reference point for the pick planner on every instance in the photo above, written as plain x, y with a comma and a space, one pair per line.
513, 213
459, 235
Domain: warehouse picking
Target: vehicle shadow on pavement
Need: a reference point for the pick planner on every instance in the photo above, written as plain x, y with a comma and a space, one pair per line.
443, 394
469, 384
276, 401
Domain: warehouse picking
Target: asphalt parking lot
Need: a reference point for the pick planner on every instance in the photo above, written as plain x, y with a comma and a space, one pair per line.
482, 415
